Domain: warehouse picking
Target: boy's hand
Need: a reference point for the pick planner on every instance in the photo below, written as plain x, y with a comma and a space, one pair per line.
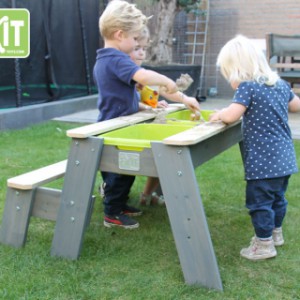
191, 103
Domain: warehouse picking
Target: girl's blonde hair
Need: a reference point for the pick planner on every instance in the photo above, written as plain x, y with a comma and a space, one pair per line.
121, 15
144, 35
240, 60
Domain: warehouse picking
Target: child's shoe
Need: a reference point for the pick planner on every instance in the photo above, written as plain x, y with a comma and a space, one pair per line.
259, 249
157, 199
145, 200
131, 211
152, 199
278, 236
120, 220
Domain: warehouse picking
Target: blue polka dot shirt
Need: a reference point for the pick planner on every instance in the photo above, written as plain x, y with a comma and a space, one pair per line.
268, 146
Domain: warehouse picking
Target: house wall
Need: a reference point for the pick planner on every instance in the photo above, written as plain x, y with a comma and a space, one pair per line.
227, 18
253, 19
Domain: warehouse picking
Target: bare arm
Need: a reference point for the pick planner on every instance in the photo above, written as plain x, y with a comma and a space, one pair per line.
149, 77
294, 104
229, 114
190, 102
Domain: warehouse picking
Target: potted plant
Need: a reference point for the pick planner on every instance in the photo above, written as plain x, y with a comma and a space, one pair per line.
163, 39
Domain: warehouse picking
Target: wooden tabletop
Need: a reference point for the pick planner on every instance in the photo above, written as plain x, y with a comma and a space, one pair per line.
197, 134
112, 124
190, 136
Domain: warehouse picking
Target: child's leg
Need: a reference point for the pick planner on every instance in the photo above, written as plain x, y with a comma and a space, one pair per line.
117, 212
151, 185
148, 196
117, 188
280, 203
267, 206
260, 198
279, 208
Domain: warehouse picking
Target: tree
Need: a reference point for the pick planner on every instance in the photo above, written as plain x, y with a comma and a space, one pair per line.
160, 50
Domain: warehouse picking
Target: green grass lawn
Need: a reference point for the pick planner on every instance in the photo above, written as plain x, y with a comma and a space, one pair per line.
143, 263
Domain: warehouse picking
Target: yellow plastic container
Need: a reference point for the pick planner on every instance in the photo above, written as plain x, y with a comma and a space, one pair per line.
139, 136
185, 115
149, 95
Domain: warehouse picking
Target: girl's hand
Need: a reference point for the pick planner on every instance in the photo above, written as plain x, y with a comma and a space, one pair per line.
229, 114
214, 117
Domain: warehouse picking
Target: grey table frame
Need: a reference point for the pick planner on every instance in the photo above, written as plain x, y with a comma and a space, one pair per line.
174, 165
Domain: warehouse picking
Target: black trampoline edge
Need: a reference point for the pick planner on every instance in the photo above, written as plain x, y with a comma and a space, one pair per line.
17, 118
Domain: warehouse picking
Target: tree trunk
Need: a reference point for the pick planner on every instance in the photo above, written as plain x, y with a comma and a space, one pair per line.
160, 50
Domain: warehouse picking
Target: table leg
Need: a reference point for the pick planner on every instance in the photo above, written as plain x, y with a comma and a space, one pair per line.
16, 217
76, 199
187, 217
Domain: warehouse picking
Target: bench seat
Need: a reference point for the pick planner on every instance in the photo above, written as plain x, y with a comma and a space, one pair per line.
26, 196
33, 179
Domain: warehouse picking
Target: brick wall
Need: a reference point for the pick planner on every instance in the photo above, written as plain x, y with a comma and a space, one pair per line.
251, 18
227, 18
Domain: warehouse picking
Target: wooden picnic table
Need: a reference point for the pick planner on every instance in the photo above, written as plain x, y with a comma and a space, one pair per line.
173, 161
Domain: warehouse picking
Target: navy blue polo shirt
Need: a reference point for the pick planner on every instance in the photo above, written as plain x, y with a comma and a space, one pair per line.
268, 145
113, 72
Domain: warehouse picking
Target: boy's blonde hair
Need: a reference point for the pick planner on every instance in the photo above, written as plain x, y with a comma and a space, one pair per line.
240, 60
121, 15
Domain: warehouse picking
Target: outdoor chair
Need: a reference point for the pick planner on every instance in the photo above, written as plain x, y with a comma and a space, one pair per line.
283, 54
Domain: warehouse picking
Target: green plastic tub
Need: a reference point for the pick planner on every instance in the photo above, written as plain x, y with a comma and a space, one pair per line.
185, 115
139, 136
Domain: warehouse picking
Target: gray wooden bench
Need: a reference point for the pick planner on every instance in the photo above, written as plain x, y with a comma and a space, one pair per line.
26, 196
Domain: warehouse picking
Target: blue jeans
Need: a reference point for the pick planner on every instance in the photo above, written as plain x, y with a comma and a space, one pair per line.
116, 190
267, 204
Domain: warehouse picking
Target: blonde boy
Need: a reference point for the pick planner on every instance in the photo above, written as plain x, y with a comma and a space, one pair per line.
116, 76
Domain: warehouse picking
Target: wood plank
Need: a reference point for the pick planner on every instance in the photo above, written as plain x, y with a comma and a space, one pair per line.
46, 203
197, 134
76, 198
16, 216
286, 65
38, 177
109, 161
187, 215
208, 148
112, 124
